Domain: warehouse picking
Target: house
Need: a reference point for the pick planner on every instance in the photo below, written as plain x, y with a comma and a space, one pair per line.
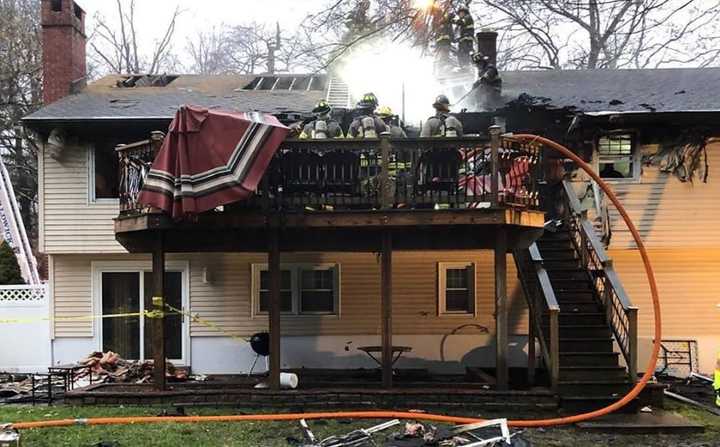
456, 301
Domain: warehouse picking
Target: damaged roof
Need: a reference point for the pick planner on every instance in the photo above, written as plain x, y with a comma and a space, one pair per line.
105, 99
592, 92
617, 91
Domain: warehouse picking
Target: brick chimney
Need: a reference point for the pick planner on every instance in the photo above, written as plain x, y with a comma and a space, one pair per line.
487, 45
63, 44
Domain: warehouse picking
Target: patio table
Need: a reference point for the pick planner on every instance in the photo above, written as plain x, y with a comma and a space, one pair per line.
397, 352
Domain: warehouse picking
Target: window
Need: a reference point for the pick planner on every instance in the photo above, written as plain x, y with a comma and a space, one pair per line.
305, 289
456, 288
617, 156
56, 5
122, 289
103, 161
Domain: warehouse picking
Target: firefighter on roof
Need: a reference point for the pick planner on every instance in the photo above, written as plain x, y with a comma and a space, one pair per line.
442, 124
466, 43
488, 75
323, 126
366, 124
444, 36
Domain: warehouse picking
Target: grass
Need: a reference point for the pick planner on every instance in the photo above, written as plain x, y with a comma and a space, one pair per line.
276, 433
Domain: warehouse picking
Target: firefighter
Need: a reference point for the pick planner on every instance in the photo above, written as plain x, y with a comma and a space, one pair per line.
323, 126
488, 75
386, 114
366, 124
716, 382
442, 124
444, 37
466, 32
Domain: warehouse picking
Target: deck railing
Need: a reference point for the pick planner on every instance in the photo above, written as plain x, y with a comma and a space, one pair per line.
134, 164
384, 173
544, 312
621, 314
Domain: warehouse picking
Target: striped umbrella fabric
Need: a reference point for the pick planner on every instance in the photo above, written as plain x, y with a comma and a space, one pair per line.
210, 158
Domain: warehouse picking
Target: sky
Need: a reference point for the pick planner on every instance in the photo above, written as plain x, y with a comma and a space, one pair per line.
153, 15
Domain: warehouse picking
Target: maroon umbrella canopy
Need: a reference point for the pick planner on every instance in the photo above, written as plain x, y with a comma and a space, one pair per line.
210, 158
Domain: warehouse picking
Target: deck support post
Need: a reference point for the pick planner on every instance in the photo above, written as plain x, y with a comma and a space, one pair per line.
386, 307
158, 305
494, 164
274, 308
531, 347
501, 310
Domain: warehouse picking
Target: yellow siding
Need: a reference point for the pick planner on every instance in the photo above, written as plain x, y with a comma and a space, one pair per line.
70, 222
670, 213
225, 300
688, 286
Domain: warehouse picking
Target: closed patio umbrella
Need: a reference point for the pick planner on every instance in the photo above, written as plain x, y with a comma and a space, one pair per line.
210, 158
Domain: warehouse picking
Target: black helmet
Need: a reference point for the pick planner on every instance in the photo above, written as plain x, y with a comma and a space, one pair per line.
368, 101
441, 100
464, 9
322, 108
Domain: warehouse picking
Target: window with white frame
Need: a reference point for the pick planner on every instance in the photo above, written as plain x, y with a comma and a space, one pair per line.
456, 288
617, 156
305, 289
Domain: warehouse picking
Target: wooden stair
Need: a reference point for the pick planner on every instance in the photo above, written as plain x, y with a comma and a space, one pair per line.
591, 375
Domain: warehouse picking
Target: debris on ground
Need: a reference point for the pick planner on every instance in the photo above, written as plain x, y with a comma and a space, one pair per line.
414, 434
27, 388
109, 367
696, 390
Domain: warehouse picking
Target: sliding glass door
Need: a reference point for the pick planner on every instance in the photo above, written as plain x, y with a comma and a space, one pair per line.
124, 296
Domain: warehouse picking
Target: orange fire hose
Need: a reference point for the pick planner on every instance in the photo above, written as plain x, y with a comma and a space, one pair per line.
632, 394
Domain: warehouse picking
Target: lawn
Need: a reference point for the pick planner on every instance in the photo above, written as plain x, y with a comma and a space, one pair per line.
276, 433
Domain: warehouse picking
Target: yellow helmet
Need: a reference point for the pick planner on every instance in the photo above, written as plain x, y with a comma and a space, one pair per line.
385, 112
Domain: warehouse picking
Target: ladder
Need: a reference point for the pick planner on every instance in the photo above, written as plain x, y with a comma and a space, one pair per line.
338, 94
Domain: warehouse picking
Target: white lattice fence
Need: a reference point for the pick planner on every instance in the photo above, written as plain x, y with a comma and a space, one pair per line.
22, 294
24, 328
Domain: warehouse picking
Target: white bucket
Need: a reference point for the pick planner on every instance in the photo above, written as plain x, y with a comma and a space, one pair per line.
287, 381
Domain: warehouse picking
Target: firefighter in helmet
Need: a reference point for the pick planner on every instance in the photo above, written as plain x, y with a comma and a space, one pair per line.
466, 41
366, 124
442, 124
487, 73
386, 114
444, 36
323, 126
716, 382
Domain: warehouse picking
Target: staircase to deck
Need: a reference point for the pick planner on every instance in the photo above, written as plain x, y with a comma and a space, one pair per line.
590, 372
582, 317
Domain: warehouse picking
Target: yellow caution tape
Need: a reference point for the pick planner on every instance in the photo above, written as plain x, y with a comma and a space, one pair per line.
147, 314
196, 318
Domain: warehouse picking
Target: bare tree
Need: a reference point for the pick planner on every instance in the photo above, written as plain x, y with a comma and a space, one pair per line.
606, 33
115, 46
20, 94
549, 34
249, 48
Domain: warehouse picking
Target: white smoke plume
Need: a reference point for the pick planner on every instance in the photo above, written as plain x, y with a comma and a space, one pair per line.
385, 67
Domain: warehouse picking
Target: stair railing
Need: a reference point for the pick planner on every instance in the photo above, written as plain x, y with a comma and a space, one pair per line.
541, 301
621, 314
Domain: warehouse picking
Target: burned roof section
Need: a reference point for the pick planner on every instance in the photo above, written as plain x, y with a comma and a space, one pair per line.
616, 91
110, 98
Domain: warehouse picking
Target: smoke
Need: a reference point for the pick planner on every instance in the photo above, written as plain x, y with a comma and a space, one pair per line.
385, 67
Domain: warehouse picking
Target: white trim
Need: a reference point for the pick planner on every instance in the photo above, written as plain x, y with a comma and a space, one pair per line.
51, 294
295, 269
442, 269
99, 267
636, 156
41, 199
92, 200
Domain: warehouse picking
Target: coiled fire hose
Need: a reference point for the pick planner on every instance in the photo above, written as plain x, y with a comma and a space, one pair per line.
632, 394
